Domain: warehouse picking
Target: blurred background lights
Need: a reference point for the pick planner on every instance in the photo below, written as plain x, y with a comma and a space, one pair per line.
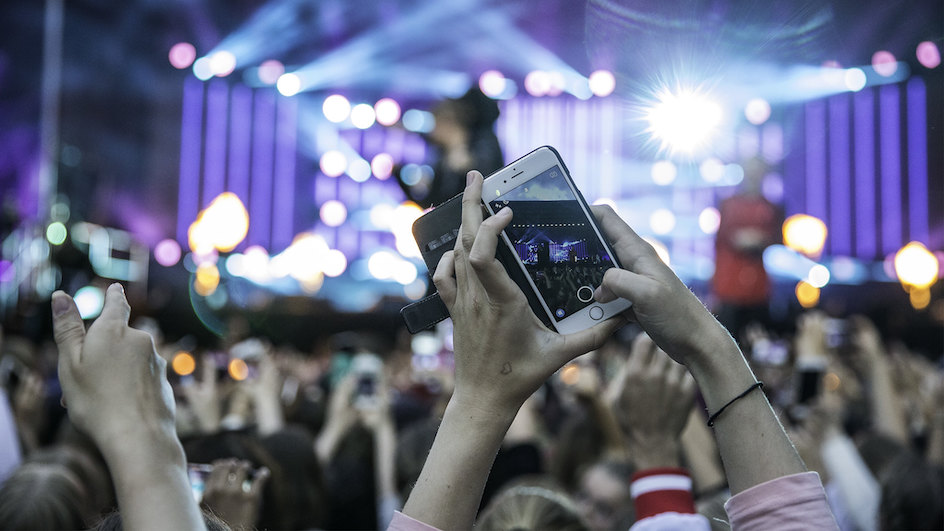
222, 225
270, 71
182, 55
334, 263
683, 121
89, 301
359, 170
56, 233
492, 83
807, 294
854, 79
387, 111
382, 166
757, 111
288, 84
558, 83
417, 121
333, 163
662, 221
206, 279
916, 266
411, 174
382, 264
183, 363
336, 108
663, 172
805, 234
167, 252
602, 83
711, 170
222, 63
818, 276
401, 225
709, 220
928, 54
415, 290
238, 369
362, 116
884, 63
333, 213
202, 69
537, 83
405, 273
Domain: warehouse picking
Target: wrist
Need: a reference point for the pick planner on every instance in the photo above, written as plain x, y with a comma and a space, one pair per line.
654, 452
479, 412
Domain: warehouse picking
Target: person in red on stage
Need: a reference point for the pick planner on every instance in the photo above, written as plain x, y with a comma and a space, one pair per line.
749, 224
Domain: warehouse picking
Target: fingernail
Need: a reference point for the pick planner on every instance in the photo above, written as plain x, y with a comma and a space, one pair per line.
60, 304
468, 178
120, 287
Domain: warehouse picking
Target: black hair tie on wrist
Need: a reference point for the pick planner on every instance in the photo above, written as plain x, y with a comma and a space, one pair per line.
712, 418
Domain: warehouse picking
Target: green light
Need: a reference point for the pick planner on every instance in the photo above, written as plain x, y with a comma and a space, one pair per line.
56, 233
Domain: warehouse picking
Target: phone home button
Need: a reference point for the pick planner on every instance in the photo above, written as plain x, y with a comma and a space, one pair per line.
585, 293
596, 313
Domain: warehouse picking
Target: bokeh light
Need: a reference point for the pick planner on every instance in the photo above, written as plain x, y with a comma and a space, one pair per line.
709, 220
333, 163
570, 374
417, 121
928, 54
89, 300
183, 363
382, 166
336, 108
662, 221
920, 298
663, 172
222, 225
683, 121
334, 263
602, 83
202, 69
537, 83
182, 55
289, 84
238, 369
387, 111
270, 71
206, 279
492, 83
359, 170
757, 111
711, 170
382, 264
56, 233
167, 252
222, 63
558, 83
884, 63
807, 295
805, 234
401, 225
855, 79
818, 276
916, 266
333, 213
362, 116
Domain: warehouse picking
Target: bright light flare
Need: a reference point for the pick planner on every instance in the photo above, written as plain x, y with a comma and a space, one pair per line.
336, 108
382, 166
818, 276
202, 69
855, 79
709, 220
663, 172
359, 170
537, 83
289, 84
684, 121
183, 363
884, 63
333, 163
182, 55
602, 83
89, 301
56, 233
333, 213
492, 83
334, 263
916, 266
387, 111
757, 111
362, 116
222, 225
711, 170
805, 234
222, 63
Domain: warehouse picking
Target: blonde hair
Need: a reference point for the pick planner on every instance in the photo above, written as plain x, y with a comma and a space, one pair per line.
531, 506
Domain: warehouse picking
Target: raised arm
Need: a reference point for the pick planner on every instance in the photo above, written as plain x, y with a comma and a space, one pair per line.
115, 387
502, 354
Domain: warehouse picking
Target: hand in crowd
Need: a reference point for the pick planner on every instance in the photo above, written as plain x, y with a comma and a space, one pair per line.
234, 493
203, 397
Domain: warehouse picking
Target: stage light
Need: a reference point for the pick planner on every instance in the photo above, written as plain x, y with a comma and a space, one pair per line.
915, 266
387, 111
919, 298
229, 220
417, 121
663, 172
256, 263
206, 279
818, 276
56, 233
334, 263
709, 220
238, 369
203, 69
167, 252
537, 83
405, 273
333, 213
683, 121
362, 116
288, 84
757, 111
182, 55
602, 83
928, 54
359, 170
381, 216
854, 79
382, 166
807, 295
558, 83
336, 108
570, 374
492, 83
270, 71
183, 363
662, 221
401, 225
411, 174
333, 163
89, 301
711, 170
382, 264
884, 63
415, 290
222, 63
804, 234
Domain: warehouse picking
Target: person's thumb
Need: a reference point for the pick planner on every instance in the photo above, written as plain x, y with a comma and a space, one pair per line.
67, 325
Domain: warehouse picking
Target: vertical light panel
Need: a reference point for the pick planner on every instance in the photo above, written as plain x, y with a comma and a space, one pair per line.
866, 214
240, 145
918, 222
283, 214
816, 159
214, 166
191, 134
840, 186
890, 151
263, 143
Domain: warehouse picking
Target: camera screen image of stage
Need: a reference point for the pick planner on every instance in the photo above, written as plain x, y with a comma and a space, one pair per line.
560, 250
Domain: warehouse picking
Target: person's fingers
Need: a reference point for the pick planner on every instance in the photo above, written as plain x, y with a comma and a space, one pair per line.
624, 240
259, 480
445, 279
622, 283
116, 306
68, 328
640, 353
482, 257
579, 343
471, 210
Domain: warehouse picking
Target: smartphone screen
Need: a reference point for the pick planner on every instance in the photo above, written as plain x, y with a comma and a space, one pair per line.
554, 240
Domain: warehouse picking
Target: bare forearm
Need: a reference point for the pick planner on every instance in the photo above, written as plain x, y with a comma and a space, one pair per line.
449, 489
888, 410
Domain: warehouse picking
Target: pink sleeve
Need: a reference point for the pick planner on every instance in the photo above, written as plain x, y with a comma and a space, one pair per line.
402, 522
797, 502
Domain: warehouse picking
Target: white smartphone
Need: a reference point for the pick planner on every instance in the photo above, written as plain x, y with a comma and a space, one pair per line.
555, 238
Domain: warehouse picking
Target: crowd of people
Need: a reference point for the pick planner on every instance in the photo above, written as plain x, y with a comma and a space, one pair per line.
656, 419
